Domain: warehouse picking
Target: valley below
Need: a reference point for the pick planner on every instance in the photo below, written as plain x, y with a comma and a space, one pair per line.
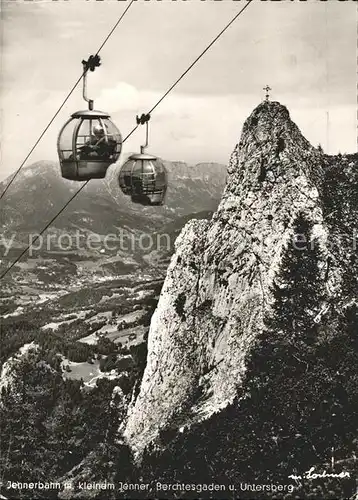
74, 287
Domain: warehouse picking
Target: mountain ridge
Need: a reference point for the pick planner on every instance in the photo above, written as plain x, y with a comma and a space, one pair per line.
39, 190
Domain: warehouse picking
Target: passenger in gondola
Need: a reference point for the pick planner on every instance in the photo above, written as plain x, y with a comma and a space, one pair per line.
99, 146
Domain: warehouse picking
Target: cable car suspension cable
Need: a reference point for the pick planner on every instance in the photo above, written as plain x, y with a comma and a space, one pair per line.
192, 64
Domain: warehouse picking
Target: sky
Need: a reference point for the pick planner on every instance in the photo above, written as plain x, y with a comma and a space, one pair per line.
305, 51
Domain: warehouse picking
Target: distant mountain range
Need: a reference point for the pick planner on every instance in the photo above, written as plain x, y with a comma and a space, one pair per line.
39, 192
101, 209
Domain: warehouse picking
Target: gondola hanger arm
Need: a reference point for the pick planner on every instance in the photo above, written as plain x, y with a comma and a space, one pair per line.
141, 120
90, 65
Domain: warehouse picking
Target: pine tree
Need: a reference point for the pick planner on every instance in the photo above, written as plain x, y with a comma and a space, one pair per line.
298, 290
277, 395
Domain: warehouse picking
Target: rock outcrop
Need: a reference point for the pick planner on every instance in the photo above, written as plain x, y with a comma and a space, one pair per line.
218, 285
10, 367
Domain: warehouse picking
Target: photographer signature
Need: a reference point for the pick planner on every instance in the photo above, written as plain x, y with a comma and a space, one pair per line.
310, 474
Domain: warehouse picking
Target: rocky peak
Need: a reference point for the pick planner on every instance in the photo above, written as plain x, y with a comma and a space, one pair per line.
271, 148
218, 285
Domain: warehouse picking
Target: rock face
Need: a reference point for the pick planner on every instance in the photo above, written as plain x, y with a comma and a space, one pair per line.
218, 285
9, 368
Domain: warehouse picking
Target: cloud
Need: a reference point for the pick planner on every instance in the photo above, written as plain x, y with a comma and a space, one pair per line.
210, 124
122, 97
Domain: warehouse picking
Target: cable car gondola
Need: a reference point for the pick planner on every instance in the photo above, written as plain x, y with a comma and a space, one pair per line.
143, 176
89, 142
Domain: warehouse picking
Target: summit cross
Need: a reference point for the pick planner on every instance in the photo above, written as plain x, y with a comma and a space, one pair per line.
267, 89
